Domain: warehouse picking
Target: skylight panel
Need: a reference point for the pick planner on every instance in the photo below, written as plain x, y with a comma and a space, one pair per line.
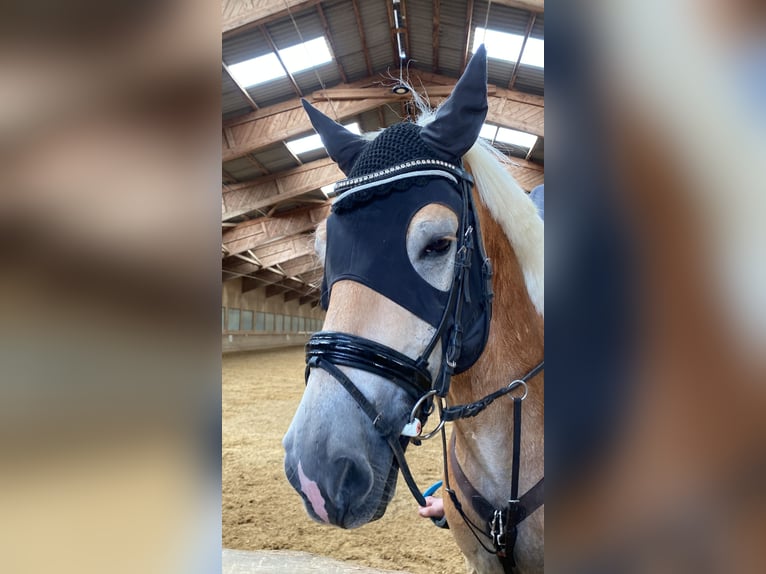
500, 45
307, 55
312, 142
505, 46
328, 189
513, 137
488, 132
534, 53
267, 67
257, 70
302, 145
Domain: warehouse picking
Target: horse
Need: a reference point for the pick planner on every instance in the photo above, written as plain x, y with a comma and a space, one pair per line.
433, 281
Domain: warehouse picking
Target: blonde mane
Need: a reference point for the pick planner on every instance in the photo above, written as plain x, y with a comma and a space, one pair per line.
511, 207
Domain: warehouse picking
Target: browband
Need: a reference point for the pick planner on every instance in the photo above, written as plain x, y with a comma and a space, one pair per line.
401, 171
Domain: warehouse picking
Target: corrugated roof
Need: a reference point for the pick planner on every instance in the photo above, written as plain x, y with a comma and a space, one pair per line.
276, 158
284, 33
420, 33
530, 79
246, 46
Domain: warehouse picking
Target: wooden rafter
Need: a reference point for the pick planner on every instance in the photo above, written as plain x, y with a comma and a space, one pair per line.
267, 127
274, 48
227, 177
403, 27
291, 288
435, 34
241, 15
284, 250
301, 265
467, 34
245, 198
296, 159
537, 6
313, 275
392, 31
362, 37
259, 232
243, 92
527, 32
260, 279
384, 93
333, 51
254, 160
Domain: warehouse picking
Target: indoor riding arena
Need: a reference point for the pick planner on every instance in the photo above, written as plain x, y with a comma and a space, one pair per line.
356, 61
261, 511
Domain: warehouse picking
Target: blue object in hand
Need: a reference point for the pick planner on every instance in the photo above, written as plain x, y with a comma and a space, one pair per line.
433, 488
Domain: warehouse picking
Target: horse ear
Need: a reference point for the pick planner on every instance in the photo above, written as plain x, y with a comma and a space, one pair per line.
342, 145
459, 119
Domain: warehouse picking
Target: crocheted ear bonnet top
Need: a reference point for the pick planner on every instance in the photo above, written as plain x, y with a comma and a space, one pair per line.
395, 145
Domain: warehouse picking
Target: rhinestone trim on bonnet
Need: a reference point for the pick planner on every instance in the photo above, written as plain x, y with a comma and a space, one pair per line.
346, 184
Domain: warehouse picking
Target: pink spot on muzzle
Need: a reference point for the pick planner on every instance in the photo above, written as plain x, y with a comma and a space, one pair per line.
311, 490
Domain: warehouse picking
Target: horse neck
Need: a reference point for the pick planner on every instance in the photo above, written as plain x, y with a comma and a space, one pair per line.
515, 346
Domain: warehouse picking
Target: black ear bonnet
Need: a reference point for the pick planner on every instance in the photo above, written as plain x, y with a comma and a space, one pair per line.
390, 178
393, 177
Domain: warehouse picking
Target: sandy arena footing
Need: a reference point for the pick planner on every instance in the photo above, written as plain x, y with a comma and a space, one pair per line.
282, 561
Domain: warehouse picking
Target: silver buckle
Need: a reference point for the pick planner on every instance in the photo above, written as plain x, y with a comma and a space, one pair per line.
497, 530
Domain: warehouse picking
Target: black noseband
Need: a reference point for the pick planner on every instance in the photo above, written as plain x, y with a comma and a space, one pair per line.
359, 353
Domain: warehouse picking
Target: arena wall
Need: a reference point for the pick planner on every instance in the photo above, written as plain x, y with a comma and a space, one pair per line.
252, 321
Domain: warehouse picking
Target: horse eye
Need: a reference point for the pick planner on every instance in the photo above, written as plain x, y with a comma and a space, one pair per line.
438, 247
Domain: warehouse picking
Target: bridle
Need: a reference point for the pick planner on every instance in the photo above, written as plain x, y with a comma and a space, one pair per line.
471, 286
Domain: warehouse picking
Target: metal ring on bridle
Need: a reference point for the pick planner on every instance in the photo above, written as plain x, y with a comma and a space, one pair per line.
516, 383
419, 402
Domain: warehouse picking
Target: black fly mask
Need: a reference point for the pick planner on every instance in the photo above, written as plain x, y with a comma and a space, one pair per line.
389, 179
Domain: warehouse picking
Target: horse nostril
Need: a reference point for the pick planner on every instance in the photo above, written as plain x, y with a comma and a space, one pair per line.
353, 483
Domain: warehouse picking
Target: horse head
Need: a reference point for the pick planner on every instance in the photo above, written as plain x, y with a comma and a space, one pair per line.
403, 312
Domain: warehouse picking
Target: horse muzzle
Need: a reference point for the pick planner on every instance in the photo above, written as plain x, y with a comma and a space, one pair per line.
336, 461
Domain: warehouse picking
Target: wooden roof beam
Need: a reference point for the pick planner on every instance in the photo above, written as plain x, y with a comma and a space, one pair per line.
301, 265
435, 34
467, 33
527, 32
260, 278
243, 92
308, 299
392, 27
245, 198
362, 37
268, 126
333, 51
313, 275
263, 129
258, 232
537, 6
285, 249
274, 48
241, 15
298, 294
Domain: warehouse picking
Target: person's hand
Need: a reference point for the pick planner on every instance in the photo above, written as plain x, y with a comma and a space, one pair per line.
434, 508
